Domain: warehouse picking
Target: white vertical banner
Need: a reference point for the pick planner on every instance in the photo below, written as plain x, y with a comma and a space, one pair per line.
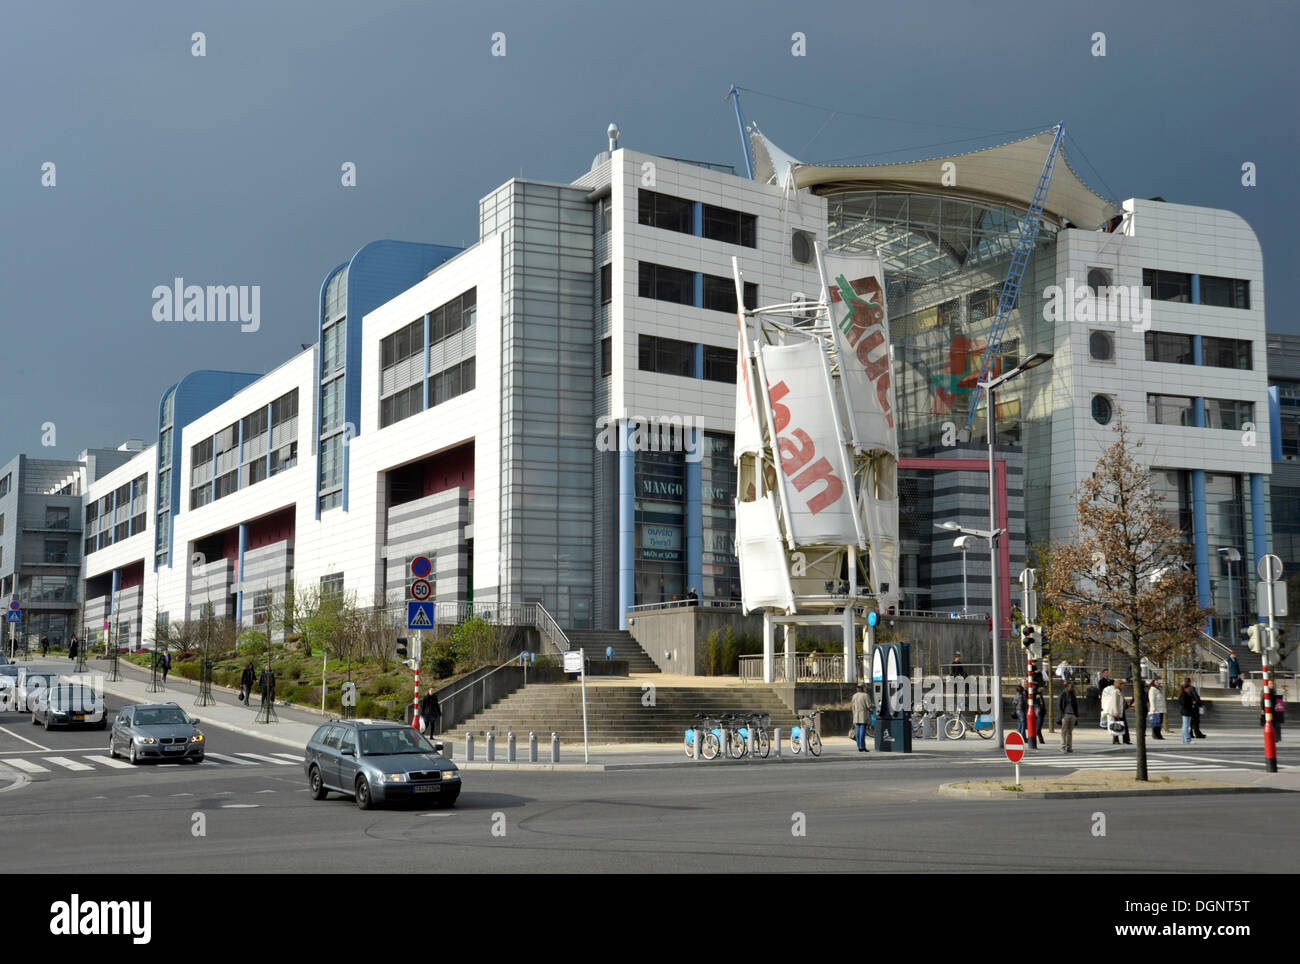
880, 511
855, 293
764, 567
817, 485
749, 438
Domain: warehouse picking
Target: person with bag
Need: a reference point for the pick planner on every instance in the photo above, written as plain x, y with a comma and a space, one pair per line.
1022, 710
165, 664
1186, 707
861, 715
1157, 705
1068, 713
1112, 702
429, 712
246, 680
1040, 717
1197, 703
1234, 672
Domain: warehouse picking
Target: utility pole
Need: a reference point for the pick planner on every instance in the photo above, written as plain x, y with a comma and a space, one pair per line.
1270, 571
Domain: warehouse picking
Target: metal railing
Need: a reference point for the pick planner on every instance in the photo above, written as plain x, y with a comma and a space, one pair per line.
497, 614
685, 604
821, 668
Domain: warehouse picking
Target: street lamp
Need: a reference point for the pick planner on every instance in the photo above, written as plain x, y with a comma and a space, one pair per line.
963, 543
1231, 555
990, 408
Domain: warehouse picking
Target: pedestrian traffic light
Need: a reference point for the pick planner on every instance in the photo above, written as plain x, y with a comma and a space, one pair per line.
1279, 642
1029, 635
401, 647
1253, 642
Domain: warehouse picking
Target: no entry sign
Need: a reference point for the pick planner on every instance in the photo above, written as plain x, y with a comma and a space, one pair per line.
1015, 746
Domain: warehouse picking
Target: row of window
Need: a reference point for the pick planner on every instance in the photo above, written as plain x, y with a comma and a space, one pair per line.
1215, 291
121, 498
1221, 413
669, 356
1215, 352
444, 321
662, 283
204, 489
445, 385
677, 214
116, 533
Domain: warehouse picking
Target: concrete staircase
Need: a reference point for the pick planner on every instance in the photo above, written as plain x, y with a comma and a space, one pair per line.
615, 714
594, 642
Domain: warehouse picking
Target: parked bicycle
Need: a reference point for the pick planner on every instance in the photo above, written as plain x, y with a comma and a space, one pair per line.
805, 734
710, 737
957, 725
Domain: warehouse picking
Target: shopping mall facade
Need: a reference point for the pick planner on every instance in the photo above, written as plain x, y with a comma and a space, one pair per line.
547, 413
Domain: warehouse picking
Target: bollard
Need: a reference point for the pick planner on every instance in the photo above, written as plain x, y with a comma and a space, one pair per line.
510, 747
699, 743
776, 742
750, 743
555, 748
469, 747
940, 730
532, 747
491, 741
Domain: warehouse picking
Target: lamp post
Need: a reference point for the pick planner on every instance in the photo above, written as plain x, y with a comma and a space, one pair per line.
990, 408
963, 543
1231, 555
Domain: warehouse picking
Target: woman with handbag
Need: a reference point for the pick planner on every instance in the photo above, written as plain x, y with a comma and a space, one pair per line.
1156, 703
1112, 702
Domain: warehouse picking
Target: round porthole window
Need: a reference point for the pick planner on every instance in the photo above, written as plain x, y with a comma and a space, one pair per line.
1102, 410
1101, 346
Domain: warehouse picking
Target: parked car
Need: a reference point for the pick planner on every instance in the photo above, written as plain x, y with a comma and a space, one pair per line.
378, 761
161, 731
69, 704
9, 688
31, 685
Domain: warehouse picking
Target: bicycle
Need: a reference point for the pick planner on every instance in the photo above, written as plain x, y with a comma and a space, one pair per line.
760, 723
710, 741
957, 724
806, 732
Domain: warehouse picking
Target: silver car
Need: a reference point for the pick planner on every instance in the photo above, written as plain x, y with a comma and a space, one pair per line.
156, 732
376, 761
68, 704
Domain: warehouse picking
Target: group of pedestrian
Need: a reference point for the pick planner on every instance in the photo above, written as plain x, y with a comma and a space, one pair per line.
1022, 713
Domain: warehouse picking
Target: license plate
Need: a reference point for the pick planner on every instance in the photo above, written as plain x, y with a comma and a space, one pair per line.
427, 788
79, 719
174, 749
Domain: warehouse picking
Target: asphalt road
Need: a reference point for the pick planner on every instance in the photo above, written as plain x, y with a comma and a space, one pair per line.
864, 814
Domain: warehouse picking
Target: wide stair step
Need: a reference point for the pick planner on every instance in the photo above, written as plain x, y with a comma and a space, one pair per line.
596, 641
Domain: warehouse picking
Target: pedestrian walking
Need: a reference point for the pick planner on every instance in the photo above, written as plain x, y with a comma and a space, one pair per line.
1186, 708
1064, 672
1156, 705
267, 685
45, 645
1040, 717
1197, 703
861, 715
72, 647
165, 664
246, 680
1234, 672
1022, 712
429, 712
1069, 714
957, 670
1112, 701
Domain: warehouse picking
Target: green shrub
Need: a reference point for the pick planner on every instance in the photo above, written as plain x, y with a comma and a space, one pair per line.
712, 654
730, 653
442, 657
252, 643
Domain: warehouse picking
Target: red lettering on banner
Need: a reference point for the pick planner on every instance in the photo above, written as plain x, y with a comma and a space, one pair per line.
797, 451
863, 299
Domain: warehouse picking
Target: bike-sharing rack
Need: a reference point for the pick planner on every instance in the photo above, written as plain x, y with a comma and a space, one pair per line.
743, 730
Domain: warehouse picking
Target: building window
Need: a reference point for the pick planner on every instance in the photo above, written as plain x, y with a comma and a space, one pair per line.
331, 462
283, 458
1169, 410
456, 315
731, 227
331, 586
5, 483
606, 284
403, 404
226, 484
1168, 285
665, 284
284, 409
1228, 414
2, 523
331, 500
606, 205
666, 356
1225, 292
336, 295
606, 368
137, 524
720, 294
254, 425
802, 246
665, 211
1102, 409
402, 344
1226, 353
1101, 346
56, 551
331, 405
332, 348
447, 384
719, 364
1170, 348
261, 607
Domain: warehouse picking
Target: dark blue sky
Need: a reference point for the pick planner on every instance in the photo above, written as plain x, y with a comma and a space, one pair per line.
225, 169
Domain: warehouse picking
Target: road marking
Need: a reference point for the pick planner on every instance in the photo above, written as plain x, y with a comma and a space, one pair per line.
240, 806
209, 755
67, 764
18, 736
140, 796
182, 794
108, 761
295, 757
266, 791
71, 749
27, 765
270, 759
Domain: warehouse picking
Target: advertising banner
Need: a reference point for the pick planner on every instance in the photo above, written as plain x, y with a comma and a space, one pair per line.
764, 568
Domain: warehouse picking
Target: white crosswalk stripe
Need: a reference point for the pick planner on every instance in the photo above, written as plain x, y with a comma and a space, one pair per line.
108, 761
210, 757
1127, 763
269, 759
67, 764
27, 766
294, 757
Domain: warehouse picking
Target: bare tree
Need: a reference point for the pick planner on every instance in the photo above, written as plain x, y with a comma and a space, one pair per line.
1125, 583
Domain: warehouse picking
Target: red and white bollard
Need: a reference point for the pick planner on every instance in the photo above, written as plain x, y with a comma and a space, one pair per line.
1270, 738
415, 715
1031, 716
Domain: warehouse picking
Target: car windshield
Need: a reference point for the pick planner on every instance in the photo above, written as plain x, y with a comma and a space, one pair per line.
396, 739
160, 716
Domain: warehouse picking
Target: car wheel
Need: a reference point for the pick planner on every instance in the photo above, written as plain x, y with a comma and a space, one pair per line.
131, 754
35, 721
363, 794
47, 724
318, 791
112, 750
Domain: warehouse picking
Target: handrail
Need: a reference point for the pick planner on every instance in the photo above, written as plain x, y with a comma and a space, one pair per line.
512, 661
549, 628
1216, 647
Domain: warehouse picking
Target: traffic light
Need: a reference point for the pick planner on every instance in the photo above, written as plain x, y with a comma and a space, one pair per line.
1253, 642
401, 647
1029, 635
1279, 642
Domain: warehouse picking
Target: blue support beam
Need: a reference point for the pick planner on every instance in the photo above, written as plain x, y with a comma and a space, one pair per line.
626, 523
694, 513
1200, 536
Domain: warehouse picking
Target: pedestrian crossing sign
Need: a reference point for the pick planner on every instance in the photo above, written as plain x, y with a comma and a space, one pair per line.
419, 615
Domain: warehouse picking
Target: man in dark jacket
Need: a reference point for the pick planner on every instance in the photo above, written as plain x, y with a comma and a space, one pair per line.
246, 680
72, 647
429, 712
1196, 711
267, 685
1234, 672
1068, 709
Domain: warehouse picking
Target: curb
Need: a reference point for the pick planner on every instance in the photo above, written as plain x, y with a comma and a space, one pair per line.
19, 780
548, 767
952, 790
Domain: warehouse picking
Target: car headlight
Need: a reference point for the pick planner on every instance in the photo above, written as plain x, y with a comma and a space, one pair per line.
197, 738
145, 739
395, 778
450, 775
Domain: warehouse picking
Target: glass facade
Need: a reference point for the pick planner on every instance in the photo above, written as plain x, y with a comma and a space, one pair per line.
660, 527
721, 571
